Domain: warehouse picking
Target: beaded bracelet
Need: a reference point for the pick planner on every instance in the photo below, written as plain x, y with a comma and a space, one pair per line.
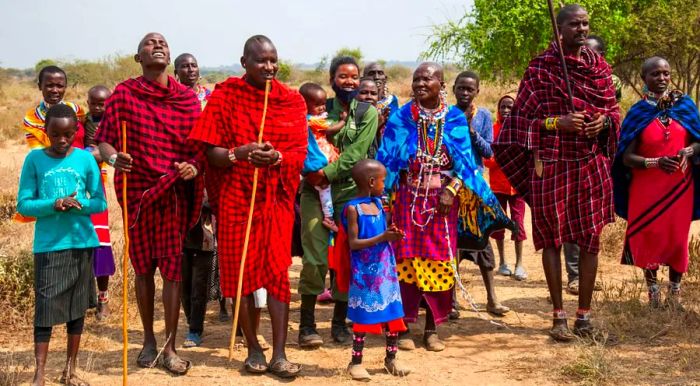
550, 124
651, 163
232, 155
688, 151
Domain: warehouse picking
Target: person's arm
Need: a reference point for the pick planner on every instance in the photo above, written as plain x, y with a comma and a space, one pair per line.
390, 234
96, 201
633, 160
355, 151
28, 203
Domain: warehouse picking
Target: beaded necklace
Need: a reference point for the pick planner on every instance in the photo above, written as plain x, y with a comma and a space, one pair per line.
428, 154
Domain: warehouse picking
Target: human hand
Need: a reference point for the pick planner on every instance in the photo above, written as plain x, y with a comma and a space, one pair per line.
66, 203
591, 129
684, 156
669, 165
393, 233
572, 122
186, 170
317, 178
265, 155
343, 116
123, 162
447, 199
382, 117
243, 152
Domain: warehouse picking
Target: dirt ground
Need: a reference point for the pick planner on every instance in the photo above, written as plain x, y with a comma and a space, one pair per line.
514, 350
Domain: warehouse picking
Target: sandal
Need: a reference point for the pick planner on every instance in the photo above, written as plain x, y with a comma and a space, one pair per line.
74, 380
175, 364
358, 373
504, 270
572, 287
284, 369
394, 367
147, 357
520, 273
561, 333
192, 340
256, 363
585, 330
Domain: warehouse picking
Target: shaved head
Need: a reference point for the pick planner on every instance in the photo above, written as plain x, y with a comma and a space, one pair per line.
652, 63
145, 37
99, 90
366, 169
434, 69
254, 42
568, 11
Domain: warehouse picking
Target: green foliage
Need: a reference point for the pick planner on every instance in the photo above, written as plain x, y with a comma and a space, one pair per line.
17, 282
498, 38
354, 52
43, 63
284, 72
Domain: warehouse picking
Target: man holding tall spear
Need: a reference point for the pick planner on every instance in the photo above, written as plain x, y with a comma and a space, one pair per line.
556, 149
240, 167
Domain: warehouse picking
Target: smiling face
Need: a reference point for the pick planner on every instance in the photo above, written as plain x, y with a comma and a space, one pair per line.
376, 72
260, 63
657, 76
53, 87
61, 132
187, 70
465, 90
574, 30
506, 107
153, 52
347, 77
427, 84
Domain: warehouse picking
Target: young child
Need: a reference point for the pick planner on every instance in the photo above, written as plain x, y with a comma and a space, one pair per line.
321, 150
369, 92
61, 187
103, 262
374, 297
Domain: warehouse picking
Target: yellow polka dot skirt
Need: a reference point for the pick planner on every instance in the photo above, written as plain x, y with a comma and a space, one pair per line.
427, 275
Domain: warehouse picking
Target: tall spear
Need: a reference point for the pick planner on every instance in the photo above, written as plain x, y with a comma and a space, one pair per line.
247, 232
555, 27
125, 274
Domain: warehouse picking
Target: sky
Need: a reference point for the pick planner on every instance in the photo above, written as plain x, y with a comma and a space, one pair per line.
214, 30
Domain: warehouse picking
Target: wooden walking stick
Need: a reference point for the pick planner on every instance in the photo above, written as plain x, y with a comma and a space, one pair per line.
237, 308
125, 272
555, 27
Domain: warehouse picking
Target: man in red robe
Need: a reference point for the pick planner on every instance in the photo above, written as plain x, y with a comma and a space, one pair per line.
229, 126
163, 195
559, 159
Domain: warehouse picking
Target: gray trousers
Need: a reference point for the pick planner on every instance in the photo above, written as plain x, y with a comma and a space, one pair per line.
571, 255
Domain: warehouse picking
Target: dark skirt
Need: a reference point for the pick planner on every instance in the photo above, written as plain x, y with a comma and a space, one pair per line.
64, 286
482, 257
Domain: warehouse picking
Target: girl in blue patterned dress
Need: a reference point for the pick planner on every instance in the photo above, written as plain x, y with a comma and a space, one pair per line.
374, 298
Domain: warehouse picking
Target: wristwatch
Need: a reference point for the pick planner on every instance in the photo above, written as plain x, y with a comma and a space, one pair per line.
112, 160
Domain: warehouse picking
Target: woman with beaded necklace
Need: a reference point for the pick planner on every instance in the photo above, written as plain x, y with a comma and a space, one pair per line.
428, 155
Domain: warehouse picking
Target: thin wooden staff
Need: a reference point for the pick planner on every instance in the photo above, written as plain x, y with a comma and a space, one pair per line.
125, 273
555, 27
247, 232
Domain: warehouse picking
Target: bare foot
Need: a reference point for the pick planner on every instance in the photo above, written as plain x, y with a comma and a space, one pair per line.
330, 224
102, 311
38, 379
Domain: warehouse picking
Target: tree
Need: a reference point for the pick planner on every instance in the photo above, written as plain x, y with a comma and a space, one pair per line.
284, 71
499, 37
43, 63
354, 52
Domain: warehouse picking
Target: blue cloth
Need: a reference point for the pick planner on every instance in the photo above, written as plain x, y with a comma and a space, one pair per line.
315, 159
399, 147
45, 179
393, 105
481, 140
685, 112
374, 295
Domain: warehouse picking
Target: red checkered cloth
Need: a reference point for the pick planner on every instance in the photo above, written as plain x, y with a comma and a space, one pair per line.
158, 120
231, 119
572, 200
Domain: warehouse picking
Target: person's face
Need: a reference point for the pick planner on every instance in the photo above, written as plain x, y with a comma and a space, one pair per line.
376, 184
376, 72
96, 102
465, 90
347, 77
574, 30
658, 77
61, 132
53, 87
368, 92
316, 103
154, 52
426, 86
506, 107
260, 64
595, 46
187, 71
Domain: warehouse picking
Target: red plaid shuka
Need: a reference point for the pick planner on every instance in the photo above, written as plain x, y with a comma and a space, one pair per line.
158, 120
571, 200
231, 119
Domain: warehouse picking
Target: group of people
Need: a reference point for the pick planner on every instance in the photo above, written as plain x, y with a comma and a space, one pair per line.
387, 198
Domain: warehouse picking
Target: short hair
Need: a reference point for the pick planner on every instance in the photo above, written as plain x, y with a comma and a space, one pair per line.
650, 63
436, 67
468, 75
600, 41
138, 49
309, 88
100, 88
367, 79
60, 110
365, 169
370, 65
341, 60
254, 41
182, 57
566, 11
50, 70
